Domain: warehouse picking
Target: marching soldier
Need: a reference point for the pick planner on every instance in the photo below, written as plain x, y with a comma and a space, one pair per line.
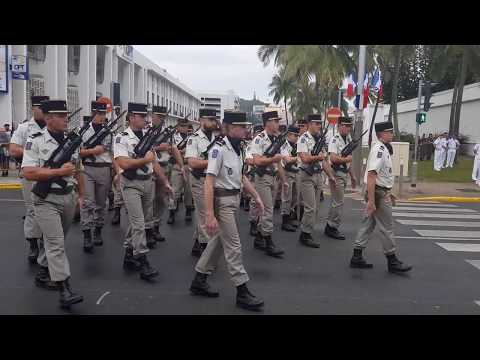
137, 191
311, 185
250, 173
265, 185
179, 180
97, 164
164, 152
222, 190
341, 168
117, 194
32, 231
196, 146
289, 151
379, 179
55, 212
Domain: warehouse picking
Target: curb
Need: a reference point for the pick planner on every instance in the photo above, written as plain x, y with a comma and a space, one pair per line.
447, 199
10, 186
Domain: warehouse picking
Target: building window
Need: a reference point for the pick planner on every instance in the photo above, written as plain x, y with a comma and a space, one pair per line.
37, 52
158, 100
148, 97
153, 98
100, 63
74, 59
162, 101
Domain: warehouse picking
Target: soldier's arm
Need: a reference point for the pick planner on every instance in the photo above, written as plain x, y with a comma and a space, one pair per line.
160, 173
32, 170
307, 158
208, 194
16, 150
126, 163
249, 188
81, 183
371, 181
260, 160
177, 156
328, 170
196, 163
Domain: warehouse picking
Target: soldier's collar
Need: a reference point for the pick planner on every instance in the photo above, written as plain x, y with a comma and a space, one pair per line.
227, 143
131, 134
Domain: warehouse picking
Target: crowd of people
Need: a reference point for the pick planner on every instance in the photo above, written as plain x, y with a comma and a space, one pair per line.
151, 168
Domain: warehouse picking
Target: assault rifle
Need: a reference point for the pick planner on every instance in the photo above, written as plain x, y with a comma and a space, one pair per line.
97, 138
271, 151
347, 150
73, 114
60, 156
319, 145
197, 173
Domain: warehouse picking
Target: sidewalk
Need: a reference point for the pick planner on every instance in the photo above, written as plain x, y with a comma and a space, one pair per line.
11, 182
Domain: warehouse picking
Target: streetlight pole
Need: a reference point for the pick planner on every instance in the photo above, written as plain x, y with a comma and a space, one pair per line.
417, 128
357, 154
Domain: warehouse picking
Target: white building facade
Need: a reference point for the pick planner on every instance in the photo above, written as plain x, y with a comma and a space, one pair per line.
219, 101
82, 73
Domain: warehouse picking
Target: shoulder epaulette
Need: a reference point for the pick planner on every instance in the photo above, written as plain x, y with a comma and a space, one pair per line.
36, 134
220, 142
262, 134
124, 133
24, 121
382, 147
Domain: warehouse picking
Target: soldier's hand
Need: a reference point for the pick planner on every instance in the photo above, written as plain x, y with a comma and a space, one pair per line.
277, 158
285, 187
149, 156
370, 208
116, 181
211, 224
98, 150
348, 159
80, 202
168, 189
67, 169
164, 147
259, 207
354, 182
393, 199
321, 156
333, 182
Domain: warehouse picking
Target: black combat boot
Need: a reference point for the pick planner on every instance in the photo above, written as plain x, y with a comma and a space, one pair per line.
242, 201
196, 249
87, 241
151, 242
259, 242
188, 213
307, 240
358, 262
116, 216
253, 228
293, 218
156, 234
333, 233
277, 204
200, 286
322, 197
67, 296
246, 206
97, 236
302, 210
271, 249
246, 300
147, 272
129, 262
396, 266
33, 252
43, 280
111, 198
286, 223
171, 217
76, 218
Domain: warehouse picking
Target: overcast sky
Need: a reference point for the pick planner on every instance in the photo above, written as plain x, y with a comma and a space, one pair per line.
216, 68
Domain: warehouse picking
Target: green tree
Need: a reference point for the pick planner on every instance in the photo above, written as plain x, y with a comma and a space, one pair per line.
281, 88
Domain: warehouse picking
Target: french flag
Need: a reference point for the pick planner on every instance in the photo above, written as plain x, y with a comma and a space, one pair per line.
351, 86
377, 82
366, 91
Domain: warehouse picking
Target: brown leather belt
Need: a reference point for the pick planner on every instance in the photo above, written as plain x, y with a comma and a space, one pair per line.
225, 192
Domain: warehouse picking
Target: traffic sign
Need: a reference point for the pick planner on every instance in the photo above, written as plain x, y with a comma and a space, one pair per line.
333, 114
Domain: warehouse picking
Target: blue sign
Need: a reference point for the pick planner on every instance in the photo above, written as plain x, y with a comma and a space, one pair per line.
19, 67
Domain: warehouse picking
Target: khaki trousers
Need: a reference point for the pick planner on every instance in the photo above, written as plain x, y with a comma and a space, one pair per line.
97, 185
310, 188
337, 200
265, 186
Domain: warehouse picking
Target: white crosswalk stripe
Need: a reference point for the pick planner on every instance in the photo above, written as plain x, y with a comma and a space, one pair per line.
449, 233
423, 209
439, 223
433, 215
427, 205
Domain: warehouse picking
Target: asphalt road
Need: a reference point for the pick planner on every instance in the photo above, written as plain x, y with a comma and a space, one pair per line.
306, 281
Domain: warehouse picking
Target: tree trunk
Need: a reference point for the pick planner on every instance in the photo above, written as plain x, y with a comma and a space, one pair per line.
395, 90
390, 112
454, 101
463, 76
286, 111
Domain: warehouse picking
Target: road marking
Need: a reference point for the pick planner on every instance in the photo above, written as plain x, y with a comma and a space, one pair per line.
460, 247
449, 233
477, 302
12, 200
443, 216
438, 223
475, 263
426, 205
437, 238
101, 297
402, 208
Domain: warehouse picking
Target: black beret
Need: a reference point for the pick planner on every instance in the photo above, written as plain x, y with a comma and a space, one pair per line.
159, 110
270, 115
315, 117
383, 126
293, 129
235, 118
257, 128
345, 120
137, 108
54, 106
182, 122
37, 100
207, 113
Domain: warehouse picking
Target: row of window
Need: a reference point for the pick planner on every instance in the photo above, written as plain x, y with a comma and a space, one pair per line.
175, 109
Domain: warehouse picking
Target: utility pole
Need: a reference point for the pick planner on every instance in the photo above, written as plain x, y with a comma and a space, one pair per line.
357, 154
417, 126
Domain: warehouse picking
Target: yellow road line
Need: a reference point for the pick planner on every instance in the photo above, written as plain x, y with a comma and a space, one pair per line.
447, 199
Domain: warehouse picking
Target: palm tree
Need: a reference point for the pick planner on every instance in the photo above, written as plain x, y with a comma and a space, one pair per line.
281, 87
267, 52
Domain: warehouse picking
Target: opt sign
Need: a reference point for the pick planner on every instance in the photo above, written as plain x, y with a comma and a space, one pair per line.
19, 67
333, 114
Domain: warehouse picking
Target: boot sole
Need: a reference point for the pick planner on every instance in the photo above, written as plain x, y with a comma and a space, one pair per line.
399, 271
149, 277
199, 292
356, 266
250, 307
258, 247
278, 256
67, 305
